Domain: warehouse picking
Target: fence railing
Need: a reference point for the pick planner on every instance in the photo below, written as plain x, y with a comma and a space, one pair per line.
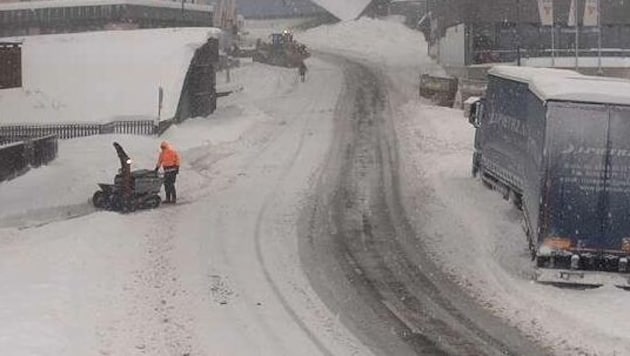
12, 133
511, 55
18, 157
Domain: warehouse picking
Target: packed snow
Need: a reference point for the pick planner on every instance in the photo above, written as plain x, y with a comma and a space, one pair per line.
189, 278
59, 72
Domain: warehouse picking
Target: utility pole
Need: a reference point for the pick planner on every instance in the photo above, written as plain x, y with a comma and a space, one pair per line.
577, 41
183, 12
600, 71
518, 33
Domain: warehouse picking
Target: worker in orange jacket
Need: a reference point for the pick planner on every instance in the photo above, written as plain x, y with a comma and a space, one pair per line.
169, 160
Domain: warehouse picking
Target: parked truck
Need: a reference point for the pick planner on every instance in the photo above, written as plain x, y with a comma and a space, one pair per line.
557, 144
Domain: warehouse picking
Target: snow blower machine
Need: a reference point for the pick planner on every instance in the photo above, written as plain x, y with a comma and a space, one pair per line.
132, 190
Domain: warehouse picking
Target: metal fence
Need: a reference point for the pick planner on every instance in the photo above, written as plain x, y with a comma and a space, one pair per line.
12, 133
17, 158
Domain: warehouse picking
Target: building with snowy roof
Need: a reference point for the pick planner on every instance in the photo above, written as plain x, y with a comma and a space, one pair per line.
63, 16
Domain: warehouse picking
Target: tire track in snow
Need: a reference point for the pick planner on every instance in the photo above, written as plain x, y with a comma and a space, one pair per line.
381, 249
258, 240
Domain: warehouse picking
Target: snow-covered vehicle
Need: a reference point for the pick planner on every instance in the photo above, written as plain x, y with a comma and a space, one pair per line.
558, 144
132, 190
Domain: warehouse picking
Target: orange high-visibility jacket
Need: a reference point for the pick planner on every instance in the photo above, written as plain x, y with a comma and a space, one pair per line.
168, 157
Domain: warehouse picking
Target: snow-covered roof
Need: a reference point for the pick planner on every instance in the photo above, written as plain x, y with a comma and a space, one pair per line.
129, 67
568, 85
526, 74
27, 5
583, 89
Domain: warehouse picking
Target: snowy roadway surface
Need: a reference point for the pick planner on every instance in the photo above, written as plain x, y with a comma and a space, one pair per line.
331, 217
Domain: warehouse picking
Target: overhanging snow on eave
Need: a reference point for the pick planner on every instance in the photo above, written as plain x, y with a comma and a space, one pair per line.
344, 10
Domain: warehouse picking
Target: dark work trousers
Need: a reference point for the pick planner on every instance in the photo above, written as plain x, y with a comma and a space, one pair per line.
169, 186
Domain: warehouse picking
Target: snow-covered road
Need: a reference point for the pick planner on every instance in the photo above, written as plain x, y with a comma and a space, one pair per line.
361, 214
283, 243
217, 274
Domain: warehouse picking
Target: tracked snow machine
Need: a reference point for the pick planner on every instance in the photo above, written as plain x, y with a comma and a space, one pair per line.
132, 190
283, 51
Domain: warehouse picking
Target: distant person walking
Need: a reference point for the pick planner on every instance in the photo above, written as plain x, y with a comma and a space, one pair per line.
170, 161
302, 70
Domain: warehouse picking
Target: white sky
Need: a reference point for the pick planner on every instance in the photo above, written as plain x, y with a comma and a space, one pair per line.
344, 10
219, 274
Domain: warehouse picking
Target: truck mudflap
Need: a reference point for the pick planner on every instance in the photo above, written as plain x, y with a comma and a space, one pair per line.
582, 279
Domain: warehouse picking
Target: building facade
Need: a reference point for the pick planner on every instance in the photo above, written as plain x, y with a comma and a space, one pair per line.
466, 32
59, 16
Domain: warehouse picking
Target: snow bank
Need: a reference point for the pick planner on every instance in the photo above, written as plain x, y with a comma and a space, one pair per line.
383, 42
101, 76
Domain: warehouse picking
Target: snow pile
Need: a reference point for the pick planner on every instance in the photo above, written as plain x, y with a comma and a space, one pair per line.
386, 42
101, 76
